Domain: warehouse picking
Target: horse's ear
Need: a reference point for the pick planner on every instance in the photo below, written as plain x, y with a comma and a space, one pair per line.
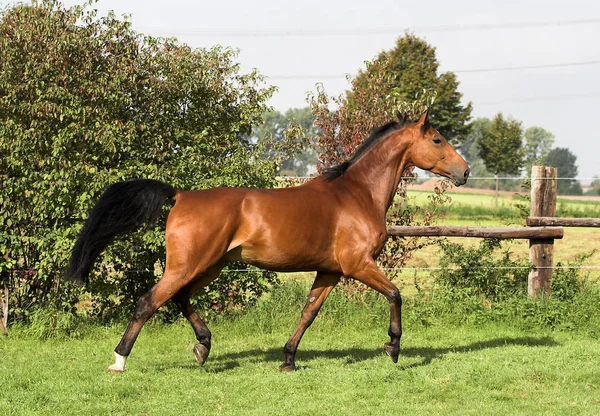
401, 117
424, 121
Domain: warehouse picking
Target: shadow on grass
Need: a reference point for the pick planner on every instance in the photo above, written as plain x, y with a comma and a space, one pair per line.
229, 361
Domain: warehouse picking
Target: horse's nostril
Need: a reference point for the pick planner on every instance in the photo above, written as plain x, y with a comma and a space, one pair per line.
467, 173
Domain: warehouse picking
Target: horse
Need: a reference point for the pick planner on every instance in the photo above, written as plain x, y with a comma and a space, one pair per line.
333, 225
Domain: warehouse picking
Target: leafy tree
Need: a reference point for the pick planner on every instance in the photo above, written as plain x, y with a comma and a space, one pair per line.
595, 186
274, 128
410, 69
469, 148
501, 147
85, 101
565, 162
347, 120
538, 143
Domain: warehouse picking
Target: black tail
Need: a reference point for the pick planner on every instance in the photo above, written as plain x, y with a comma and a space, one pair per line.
122, 208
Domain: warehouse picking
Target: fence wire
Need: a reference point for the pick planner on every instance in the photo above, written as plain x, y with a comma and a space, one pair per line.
395, 269
385, 269
512, 178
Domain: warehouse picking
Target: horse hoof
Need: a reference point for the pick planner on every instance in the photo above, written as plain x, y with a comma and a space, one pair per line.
119, 365
113, 369
393, 351
287, 368
201, 353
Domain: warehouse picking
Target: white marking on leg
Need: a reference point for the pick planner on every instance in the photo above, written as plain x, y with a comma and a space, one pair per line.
119, 365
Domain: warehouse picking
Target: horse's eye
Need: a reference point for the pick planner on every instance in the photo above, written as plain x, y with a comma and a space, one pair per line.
437, 140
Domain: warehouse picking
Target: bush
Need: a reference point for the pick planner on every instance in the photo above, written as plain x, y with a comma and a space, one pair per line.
482, 285
84, 102
480, 272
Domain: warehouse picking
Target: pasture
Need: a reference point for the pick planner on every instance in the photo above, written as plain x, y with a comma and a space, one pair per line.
467, 369
452, 361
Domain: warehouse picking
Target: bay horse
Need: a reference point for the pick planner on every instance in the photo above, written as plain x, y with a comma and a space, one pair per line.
334, 224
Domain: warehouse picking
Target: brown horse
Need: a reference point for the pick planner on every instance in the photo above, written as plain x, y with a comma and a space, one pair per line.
334, 225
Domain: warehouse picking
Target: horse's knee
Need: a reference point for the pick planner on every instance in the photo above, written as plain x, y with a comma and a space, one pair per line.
395, 297
144, 308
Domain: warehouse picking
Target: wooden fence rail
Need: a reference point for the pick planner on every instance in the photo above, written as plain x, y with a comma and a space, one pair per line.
563, 222
529, 233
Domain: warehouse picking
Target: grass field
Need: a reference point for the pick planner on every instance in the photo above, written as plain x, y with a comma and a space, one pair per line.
467, 370
465, 365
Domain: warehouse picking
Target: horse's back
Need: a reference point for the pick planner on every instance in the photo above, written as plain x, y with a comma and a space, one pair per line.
278, 229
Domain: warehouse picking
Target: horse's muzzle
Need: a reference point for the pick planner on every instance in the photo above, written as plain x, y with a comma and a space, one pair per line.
458, 180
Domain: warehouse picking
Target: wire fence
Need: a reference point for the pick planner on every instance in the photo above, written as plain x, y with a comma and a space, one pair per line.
389, 269
488, 178
385, 269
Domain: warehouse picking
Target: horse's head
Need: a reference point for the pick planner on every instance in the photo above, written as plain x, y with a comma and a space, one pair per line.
431, 151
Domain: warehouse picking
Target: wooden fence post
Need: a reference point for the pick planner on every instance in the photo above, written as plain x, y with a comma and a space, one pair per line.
4, 311
543, 204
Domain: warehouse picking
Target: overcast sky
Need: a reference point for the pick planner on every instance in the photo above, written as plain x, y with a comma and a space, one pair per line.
300, 43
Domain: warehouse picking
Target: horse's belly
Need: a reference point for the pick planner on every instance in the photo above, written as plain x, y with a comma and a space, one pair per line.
281, 260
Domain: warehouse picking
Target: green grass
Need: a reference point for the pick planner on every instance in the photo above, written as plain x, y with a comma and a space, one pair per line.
456, 358
467, 369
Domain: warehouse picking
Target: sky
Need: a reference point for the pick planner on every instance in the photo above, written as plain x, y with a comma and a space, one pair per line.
297, 44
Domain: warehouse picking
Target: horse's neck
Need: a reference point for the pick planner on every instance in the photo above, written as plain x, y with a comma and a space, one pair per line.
377, 174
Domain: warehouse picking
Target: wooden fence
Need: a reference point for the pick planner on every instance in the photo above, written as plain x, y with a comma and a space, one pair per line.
541, 231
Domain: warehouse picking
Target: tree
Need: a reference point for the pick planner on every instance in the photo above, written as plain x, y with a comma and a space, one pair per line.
410, 69
538, 143
86, 102
469, 148
346, 121
595, 186
566, 163
274, 128
501, 147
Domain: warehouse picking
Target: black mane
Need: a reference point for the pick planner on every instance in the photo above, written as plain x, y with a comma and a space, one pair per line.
377, 134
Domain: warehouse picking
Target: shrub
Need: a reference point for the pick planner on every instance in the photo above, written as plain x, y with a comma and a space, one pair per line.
84, 102
479, 271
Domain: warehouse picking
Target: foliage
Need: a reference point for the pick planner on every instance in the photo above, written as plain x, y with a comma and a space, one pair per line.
410, 69
538, 143
500, 146
373, 101
481, 177
566, 163
276, 126
86, 101
476, 271
567, 282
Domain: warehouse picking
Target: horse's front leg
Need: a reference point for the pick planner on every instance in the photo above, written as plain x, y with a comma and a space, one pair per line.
369, 274
321, 288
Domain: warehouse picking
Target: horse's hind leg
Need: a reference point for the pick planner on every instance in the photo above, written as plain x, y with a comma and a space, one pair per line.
321, 288
203, 335
182, 300
147, 305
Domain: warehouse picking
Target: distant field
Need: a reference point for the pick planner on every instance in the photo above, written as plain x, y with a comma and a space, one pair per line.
481, 210
484, 207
